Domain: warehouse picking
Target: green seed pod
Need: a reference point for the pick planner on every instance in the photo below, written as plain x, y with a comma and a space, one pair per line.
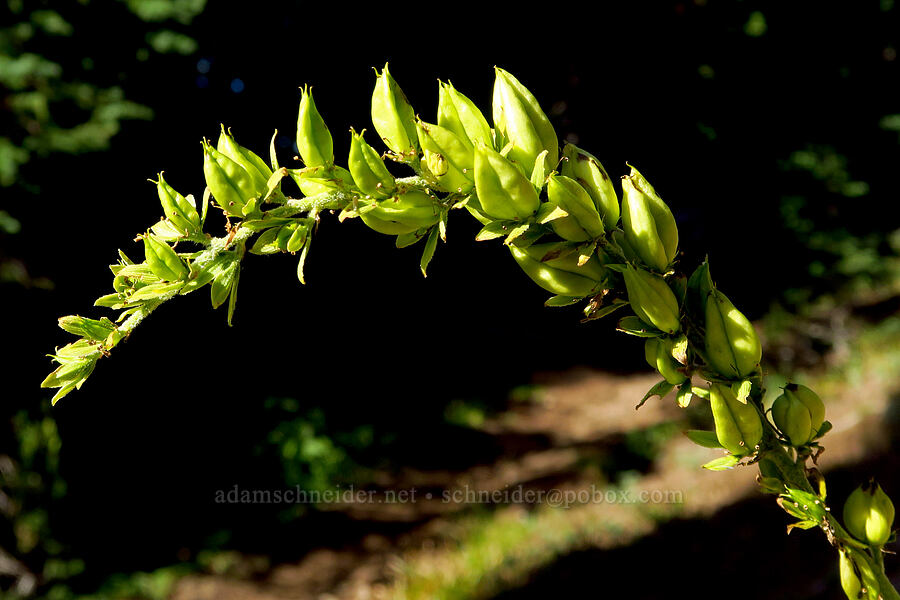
652, 300
798, 413
322, 180
178, 209
368, 169
460, 115
850, 582
561, 276
648, 223
457, 157
584, 222
869, 514
405, 213
518, 116
658, 353
584, 168
392, 115
313, 138
732, 346
738, 426
503, 191
792, 418
163, 261
231, 185
811, 401
247, 159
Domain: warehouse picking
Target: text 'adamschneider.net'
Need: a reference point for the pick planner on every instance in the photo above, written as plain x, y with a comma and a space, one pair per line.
557, 498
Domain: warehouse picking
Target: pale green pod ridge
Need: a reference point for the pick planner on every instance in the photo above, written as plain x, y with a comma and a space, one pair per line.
518, 116
738, 425
652, 300
392, 115
584, 168
457, 171
732, 346
572, 198
255, 166
314, 141
503, 191
367, 168
459, 114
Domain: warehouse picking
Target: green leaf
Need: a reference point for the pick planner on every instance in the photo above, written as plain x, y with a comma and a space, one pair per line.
660, 389
266, 243
722, 464
539, 173
273, 157
561, 301
701, 392
549, 211
825, 428
154, 291
634, 326
494, 230
684, 394
741, 390
428, 252
707, 439
592, 312
408, 239
802, 525
302, 260
516, 232
220, 290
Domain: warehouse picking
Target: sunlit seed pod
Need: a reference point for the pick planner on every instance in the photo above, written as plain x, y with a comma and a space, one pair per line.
850, 581
368, 169
584, 168
255, 167
402, 214
454, 169
231, 185
792, 419
503, 191
811, 401
392, 115
519, 117
869, 514
459, 114
652, 300
323, 180
583, 222
178, 209
162, 260
313, 138
732, 345
648, 225
738, 425
561, 276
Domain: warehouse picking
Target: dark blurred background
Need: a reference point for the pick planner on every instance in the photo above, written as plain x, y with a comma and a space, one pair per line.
770, 128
